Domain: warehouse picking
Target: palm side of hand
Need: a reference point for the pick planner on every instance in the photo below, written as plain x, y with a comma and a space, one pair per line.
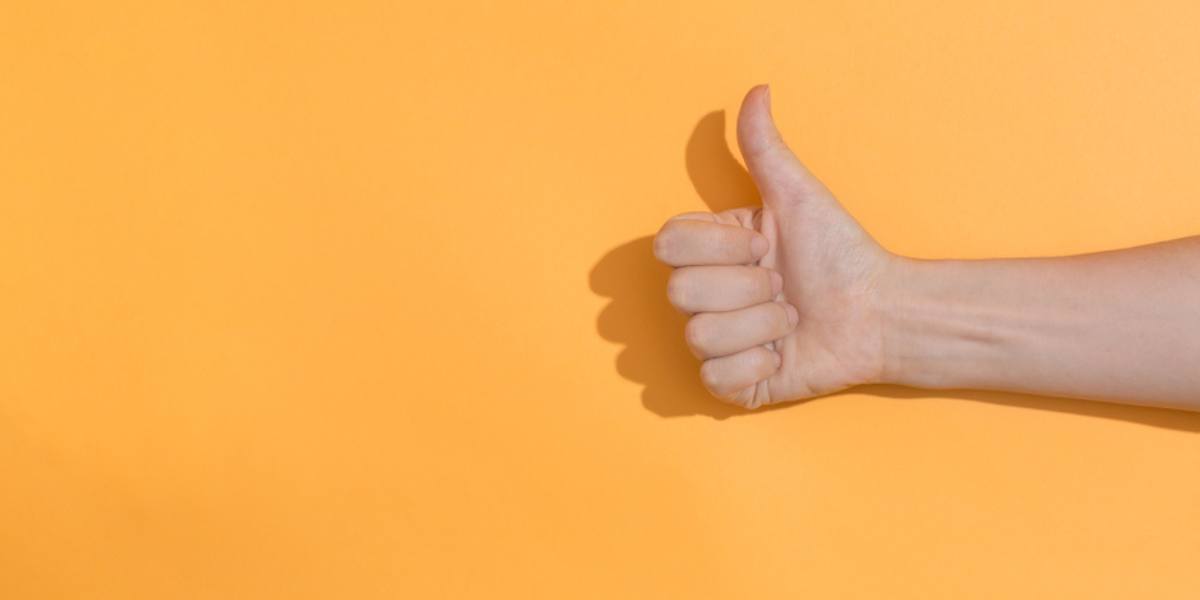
830, 267
831, 270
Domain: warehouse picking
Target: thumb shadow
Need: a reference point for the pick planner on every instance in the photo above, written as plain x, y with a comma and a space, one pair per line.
640, 317
720, 180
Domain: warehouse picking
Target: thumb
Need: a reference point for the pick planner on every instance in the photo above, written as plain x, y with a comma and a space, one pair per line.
777, 172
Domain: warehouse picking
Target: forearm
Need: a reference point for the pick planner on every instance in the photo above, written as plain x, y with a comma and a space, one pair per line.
1121, 326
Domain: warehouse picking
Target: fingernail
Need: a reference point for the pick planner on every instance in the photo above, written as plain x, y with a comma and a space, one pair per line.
793, 314
776, 283
758, 246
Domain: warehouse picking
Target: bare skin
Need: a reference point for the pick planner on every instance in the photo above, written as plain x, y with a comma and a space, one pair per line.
793, 300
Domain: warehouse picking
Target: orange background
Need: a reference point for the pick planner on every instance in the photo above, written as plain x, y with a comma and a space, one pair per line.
355, 300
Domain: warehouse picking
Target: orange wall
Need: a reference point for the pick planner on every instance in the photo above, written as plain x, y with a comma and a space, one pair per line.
354, 300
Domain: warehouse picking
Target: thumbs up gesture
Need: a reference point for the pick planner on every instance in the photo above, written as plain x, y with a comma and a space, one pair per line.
787, 298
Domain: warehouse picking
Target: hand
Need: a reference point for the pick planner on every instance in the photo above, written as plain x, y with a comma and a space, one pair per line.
786, 297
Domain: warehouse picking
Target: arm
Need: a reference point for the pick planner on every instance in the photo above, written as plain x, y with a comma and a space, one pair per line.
794, 299
1121, 326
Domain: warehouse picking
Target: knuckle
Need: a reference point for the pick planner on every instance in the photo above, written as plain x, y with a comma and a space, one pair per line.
664, 242
696, 333
677, 288
710, 377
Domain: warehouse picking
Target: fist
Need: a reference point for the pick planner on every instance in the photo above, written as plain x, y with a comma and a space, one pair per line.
786, 299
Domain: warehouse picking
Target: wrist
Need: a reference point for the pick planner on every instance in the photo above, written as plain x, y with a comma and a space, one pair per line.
896, 286
937, 329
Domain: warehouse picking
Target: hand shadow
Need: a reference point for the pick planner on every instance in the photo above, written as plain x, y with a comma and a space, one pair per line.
639, 315
652, 331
